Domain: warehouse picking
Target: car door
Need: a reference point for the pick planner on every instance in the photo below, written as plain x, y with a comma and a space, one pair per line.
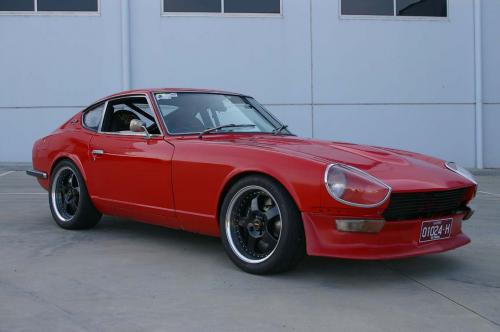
130, 172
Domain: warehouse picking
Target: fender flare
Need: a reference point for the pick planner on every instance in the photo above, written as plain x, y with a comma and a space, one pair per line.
73, 158
237, 174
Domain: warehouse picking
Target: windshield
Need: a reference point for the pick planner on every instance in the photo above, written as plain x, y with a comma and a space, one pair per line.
193, 113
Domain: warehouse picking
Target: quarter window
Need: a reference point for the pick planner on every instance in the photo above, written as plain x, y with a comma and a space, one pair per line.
92, 118
223, 6
418, 8
49, 6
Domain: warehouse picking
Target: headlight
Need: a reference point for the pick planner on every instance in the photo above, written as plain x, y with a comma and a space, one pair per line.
460, 170
352, 186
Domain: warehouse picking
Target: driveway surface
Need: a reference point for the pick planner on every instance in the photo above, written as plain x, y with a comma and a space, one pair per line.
127, 276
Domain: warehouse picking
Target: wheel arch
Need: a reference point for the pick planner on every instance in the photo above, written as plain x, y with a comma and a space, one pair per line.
236, 176
75, 160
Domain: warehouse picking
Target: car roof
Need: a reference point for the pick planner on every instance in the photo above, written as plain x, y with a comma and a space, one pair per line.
167, 90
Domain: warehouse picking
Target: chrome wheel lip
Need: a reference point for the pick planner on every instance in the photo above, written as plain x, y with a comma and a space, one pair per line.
228, 224
53, 193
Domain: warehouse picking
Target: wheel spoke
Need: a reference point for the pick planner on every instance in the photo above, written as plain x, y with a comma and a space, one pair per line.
64, 187
74, 182
64, 204
272, 213
74, 204
269, 239
251, 241
254, 207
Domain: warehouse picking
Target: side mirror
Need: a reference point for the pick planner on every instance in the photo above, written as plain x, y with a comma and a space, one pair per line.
138, 126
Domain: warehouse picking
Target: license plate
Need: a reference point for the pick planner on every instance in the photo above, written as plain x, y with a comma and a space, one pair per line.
433, 230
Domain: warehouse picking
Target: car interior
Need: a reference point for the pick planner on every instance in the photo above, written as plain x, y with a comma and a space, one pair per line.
185, 120
186, 115
193, 113
121, 112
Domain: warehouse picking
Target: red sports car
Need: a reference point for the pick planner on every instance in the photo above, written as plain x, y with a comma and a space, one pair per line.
220, 164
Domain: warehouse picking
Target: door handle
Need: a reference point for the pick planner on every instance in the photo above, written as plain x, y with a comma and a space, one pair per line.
96, 153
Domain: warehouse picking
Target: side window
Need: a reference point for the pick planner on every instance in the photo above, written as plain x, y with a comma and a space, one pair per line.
121, 112
92, 117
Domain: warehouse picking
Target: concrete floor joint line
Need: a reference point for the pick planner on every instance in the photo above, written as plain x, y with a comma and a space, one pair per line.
441, 294
6, 173
487, 193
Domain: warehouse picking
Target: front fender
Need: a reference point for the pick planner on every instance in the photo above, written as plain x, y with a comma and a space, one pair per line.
302, 183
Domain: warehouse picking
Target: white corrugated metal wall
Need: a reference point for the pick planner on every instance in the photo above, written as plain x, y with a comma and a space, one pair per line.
405, 83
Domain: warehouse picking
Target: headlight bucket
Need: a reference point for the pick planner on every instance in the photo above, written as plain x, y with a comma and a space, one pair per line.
452, 166
354, 187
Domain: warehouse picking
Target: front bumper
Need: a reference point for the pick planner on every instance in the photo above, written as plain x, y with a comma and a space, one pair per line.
398, 239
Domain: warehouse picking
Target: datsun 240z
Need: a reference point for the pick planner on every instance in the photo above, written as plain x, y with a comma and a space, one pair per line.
220, 164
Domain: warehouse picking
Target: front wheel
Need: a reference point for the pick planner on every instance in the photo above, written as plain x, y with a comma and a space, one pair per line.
260, 225
69, 200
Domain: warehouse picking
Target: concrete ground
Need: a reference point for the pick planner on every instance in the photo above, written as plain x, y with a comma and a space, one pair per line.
127, 276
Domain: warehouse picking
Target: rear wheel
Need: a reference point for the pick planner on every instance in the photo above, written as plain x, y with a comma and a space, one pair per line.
70, 203
261, 227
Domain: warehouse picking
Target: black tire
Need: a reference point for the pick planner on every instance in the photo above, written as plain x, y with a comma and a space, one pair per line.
69, 200
246, 229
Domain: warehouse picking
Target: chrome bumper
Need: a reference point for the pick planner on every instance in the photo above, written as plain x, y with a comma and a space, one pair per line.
37, 174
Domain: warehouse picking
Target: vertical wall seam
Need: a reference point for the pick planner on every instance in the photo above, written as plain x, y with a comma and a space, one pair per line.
312, 64
478, 83
125, 30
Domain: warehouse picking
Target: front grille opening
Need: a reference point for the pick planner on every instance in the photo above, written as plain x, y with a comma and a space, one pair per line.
405, 206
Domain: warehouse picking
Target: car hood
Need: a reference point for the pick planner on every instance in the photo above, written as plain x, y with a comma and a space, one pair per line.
402, 170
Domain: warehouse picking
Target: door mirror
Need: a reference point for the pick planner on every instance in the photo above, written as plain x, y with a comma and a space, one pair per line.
138, 126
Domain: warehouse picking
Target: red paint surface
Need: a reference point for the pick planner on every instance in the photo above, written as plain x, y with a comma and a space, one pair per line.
179, 182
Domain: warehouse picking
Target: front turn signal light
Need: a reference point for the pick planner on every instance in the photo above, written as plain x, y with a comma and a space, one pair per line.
359, 225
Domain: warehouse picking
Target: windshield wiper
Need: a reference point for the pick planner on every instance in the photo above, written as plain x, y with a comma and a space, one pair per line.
209, 130
278, 130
